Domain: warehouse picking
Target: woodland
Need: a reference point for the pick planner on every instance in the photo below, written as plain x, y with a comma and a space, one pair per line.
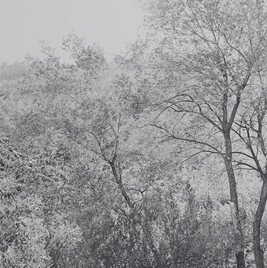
154, 159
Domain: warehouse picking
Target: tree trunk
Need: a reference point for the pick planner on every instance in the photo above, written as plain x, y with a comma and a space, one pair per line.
240, 259
238, 234
258, 251
117, 177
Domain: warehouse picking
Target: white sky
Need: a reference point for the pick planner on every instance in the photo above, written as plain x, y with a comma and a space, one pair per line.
23, 23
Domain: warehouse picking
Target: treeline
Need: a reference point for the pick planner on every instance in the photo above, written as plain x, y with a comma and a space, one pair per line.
159, 161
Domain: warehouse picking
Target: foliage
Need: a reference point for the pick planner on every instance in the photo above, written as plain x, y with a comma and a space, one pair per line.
126, 168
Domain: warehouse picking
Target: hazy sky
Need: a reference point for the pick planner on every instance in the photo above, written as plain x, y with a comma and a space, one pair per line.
23, 23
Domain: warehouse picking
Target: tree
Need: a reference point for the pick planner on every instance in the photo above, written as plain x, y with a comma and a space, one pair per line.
203, 55
29, 235
251, 129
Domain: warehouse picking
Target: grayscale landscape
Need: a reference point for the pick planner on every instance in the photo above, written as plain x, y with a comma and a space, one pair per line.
133, 134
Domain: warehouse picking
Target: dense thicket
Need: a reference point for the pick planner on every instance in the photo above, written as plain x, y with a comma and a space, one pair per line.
158, 160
